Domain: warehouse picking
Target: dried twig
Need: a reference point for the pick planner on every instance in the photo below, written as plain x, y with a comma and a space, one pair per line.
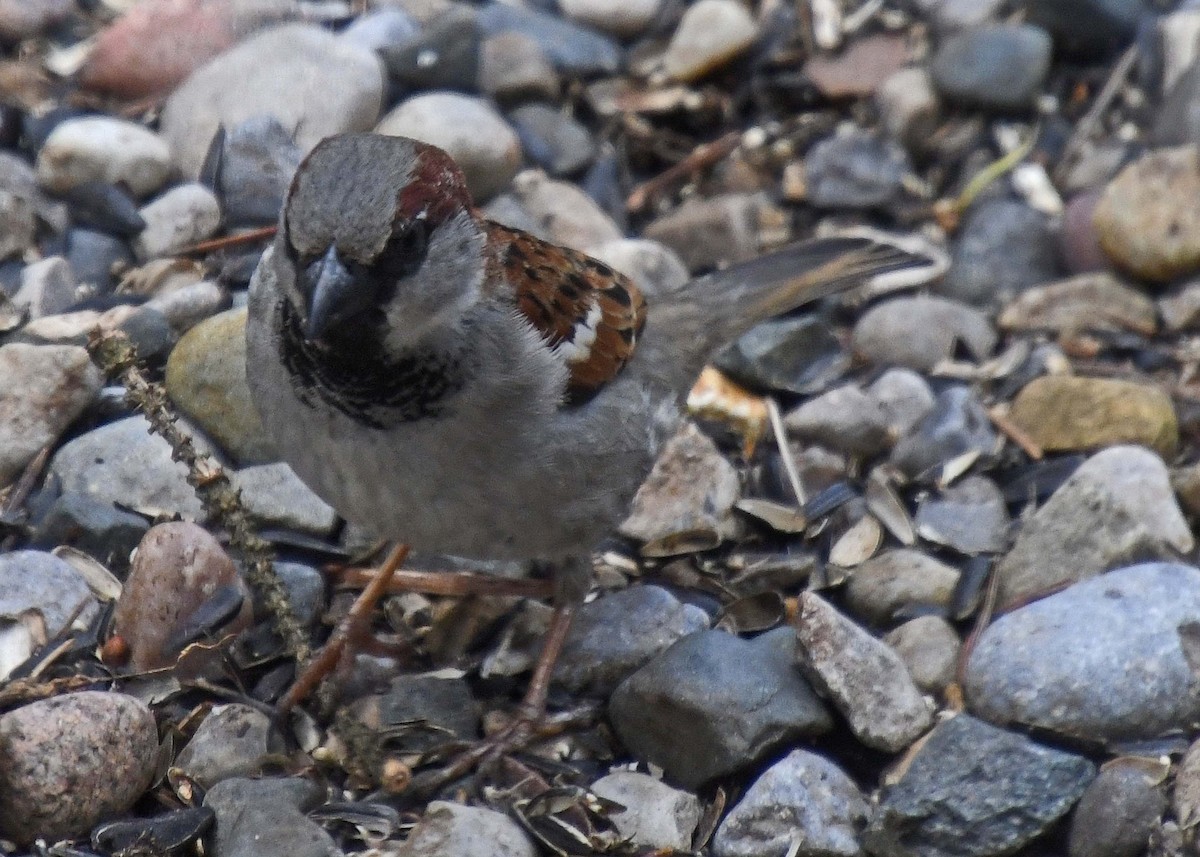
1084, 127
251, 237
700, 158
982, 619
118, 358
785, 452
1015, 433
449, 583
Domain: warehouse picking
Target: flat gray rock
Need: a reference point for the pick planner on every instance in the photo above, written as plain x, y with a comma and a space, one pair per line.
861, 675
655, 815
1111, 658
615, 635
124, 463
803, 798
713, 703
1117, 507
465, 831
308, 79
265, 818
43, 388
973, 790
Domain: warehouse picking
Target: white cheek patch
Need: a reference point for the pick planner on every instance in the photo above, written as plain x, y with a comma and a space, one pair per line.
577, 347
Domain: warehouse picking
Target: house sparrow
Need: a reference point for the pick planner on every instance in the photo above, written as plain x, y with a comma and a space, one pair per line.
469, 388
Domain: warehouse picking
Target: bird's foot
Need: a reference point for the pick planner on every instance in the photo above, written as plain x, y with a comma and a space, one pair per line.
452, 762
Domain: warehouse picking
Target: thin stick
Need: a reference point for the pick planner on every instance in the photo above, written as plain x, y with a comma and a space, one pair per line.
1085, 126
452, 583
700, 158
785, 451
251, 237
1015, 433
982, 619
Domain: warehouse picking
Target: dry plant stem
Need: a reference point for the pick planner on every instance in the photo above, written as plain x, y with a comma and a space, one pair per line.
1016, 434
1085, 126
533, 706
20, 491
982, 620
701, 158
785, 451
451, 583
29, 478
118, 358
251, 237
351, 629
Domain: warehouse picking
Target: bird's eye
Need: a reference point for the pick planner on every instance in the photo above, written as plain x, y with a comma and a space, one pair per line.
404, 251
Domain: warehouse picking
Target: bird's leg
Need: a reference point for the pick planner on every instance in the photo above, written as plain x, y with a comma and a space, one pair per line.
572, 579
349, 633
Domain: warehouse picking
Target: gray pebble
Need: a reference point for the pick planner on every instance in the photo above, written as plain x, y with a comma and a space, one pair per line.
905, 397
93, 526
43, 388
929, 647
617, 634
180, 217
249, 168
1106, 659
265, 818
844, 419
465, 831
863, 678
957, 425
574, 50
122, 462
274, 496
41, 582
803, 798
896, 579
970, 517
47, 287
1117, 814
232, 741
946, 802
1117, 507
302, 75
997, 67
553, 140
919, 332
655, 815
855, 170
103, 149
713, 704
1004, 248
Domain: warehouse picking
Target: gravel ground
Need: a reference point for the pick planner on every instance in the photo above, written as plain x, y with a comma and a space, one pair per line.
920, 577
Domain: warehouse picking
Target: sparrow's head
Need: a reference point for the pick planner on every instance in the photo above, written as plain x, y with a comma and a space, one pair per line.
378, 233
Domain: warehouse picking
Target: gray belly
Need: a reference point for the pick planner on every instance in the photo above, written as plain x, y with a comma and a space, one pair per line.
527, 487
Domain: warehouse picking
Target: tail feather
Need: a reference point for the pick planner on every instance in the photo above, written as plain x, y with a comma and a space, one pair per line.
716, 309
804, 272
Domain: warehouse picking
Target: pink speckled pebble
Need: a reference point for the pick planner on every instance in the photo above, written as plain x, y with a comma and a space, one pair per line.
69, 762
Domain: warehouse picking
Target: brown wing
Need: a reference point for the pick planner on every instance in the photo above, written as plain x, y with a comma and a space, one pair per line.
589, 315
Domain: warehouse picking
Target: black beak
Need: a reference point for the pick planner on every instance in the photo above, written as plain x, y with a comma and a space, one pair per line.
337, 294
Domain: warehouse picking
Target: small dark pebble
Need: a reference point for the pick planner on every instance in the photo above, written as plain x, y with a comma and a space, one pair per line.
105, 208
